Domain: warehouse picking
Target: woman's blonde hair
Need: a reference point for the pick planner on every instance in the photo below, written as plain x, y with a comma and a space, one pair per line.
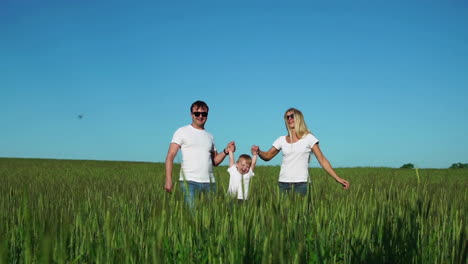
299, 123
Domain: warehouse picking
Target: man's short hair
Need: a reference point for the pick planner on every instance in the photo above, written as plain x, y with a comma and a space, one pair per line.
199, 104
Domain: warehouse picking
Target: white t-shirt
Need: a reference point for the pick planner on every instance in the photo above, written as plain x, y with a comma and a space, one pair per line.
295, 164
196, 146
235, 182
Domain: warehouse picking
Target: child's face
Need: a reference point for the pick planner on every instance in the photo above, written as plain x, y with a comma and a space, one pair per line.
243, 166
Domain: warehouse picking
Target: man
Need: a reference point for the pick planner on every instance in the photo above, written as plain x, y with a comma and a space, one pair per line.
199, 155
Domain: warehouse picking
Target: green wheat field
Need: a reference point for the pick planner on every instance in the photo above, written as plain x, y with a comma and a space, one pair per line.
70, 211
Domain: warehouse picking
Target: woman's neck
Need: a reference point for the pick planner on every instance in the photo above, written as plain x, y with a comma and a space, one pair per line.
293, 136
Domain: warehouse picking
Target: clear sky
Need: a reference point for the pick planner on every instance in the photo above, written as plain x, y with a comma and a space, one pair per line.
380, 83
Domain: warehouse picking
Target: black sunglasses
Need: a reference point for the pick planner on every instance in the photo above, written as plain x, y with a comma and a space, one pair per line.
290, 116
197, 114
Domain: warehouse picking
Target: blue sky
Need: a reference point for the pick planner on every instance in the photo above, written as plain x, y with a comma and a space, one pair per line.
381, 83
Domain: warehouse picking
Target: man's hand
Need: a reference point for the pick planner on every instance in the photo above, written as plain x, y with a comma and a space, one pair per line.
231, 146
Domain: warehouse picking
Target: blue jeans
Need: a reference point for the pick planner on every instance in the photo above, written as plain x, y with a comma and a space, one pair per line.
195, 188
298, 187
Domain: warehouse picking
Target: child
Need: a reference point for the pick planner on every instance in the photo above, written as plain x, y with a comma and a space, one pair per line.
239, 173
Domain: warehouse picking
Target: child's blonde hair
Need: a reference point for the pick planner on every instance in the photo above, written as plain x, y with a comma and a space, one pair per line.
245, 157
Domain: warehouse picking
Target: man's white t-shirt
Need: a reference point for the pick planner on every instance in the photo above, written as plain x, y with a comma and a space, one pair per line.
196, 146
295, 164
235, 182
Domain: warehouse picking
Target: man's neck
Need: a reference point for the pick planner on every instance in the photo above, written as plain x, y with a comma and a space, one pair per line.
197, 127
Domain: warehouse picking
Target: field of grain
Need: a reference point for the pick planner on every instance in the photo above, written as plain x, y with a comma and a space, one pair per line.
63, 211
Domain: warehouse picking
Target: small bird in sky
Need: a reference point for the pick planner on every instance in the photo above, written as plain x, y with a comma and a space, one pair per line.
80, 116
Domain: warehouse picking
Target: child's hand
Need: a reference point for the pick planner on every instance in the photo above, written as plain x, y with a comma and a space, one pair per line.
255, 150
231, 147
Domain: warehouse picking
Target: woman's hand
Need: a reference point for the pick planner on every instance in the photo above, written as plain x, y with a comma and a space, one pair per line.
343, 182
255, 149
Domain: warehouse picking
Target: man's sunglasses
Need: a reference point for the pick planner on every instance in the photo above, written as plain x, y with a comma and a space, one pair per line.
290, 116
197, 114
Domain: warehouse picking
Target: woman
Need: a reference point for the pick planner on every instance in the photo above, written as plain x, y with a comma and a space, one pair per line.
296, 147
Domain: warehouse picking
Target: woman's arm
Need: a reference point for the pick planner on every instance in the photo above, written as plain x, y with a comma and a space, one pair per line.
327, 166
265, 155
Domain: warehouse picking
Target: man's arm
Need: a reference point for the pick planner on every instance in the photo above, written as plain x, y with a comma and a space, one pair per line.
171, 153
219, 157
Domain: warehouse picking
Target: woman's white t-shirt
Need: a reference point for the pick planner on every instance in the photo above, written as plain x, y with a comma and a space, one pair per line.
296, 156
196, 146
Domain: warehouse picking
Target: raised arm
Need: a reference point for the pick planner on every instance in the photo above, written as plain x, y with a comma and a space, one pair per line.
327, 166
265, 155
254, 161
171, 153
231, 157
219, 157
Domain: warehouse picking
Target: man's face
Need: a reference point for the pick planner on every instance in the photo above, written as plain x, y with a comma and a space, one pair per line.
199, 116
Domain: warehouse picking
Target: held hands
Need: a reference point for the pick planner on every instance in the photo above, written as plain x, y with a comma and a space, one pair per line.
255, 150
231, 147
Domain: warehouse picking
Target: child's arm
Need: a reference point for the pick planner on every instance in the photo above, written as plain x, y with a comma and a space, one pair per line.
254, 161
231, 158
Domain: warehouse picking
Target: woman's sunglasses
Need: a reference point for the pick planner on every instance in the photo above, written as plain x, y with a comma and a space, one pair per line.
197, 114
290, 116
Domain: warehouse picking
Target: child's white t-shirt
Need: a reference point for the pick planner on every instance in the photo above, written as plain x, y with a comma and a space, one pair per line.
196, 146
296, 156
235, 182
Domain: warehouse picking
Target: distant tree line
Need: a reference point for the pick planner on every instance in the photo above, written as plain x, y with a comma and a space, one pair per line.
407, 166
454, 166
459, 166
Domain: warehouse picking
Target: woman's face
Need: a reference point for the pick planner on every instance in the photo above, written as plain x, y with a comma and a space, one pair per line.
290, 119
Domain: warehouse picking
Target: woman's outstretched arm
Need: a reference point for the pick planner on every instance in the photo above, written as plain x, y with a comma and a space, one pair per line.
327, 166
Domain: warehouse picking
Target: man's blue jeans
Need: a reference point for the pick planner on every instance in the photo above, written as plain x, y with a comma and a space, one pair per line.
298, 187
192, 189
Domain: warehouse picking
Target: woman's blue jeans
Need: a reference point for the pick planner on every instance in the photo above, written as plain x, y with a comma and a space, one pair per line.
298, 187
192, 189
